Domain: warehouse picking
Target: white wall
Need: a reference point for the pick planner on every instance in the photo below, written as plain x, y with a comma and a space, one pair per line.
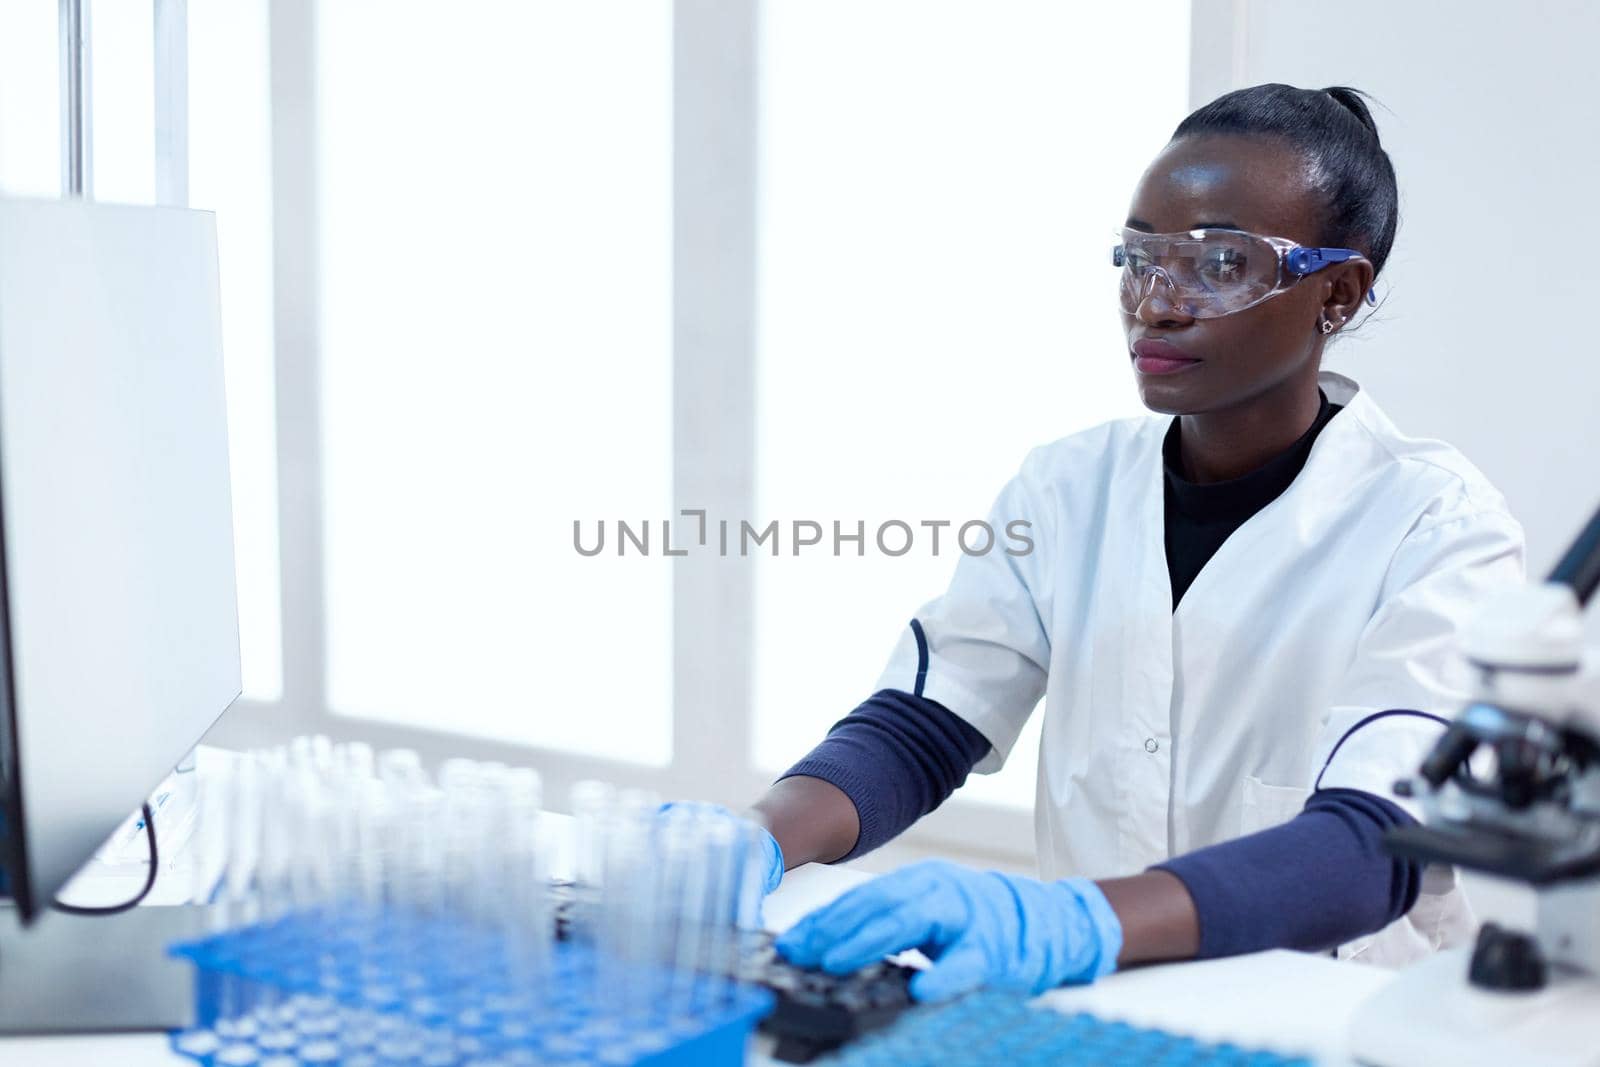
1486, 339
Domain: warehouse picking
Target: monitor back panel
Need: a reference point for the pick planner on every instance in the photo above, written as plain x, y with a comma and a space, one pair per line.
121, 635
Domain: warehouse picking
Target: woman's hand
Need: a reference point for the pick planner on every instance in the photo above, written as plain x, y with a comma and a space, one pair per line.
980, 928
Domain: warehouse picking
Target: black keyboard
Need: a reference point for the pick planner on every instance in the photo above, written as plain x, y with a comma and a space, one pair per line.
817, 1012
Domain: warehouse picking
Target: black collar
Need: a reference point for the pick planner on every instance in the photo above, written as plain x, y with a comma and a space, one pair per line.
1249, 493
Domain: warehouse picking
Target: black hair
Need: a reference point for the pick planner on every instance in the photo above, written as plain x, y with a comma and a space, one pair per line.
1335, 131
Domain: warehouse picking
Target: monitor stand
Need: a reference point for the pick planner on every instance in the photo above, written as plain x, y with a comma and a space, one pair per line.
75, 974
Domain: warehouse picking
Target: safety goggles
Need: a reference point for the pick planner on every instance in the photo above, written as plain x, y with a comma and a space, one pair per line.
1210, 273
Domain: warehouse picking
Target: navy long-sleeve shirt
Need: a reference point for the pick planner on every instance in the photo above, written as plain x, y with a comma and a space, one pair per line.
1316, 881
1319, 880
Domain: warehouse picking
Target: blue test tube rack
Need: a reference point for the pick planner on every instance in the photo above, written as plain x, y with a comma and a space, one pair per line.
362, 989
990, 1027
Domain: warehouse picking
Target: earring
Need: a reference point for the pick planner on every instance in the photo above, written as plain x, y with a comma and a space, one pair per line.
1327, 327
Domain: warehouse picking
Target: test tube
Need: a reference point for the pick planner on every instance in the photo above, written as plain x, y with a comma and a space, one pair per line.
384, 973
317, 905
358, 1024
684, 895
627, 965
352, 768
517, 844
210, 849
462, 816
275, 877
718, 933
524, 917
369, 799
236, 1022
592, 804
415, 874
749, 878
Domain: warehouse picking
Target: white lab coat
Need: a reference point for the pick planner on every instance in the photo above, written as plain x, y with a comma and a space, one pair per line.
1169, 731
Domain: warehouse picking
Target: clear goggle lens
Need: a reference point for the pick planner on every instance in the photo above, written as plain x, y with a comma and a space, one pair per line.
1205, 273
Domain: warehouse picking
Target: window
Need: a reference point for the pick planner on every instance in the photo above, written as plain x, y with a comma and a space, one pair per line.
230, 172
478, 206
123, 98
496, 347
30, 109
941, 185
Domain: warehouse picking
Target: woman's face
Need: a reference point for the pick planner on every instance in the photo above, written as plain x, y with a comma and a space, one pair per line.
1243, 183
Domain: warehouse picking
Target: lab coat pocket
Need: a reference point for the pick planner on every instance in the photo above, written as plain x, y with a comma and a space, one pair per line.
1264, 806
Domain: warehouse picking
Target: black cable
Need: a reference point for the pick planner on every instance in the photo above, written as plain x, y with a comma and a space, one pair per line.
149, 882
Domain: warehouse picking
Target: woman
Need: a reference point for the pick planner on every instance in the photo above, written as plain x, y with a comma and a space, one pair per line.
1226, 611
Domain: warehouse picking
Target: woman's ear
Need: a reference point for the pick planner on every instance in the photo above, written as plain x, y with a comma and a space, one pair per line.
1347, 287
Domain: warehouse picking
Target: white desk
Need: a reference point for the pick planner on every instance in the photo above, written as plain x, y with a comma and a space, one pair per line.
1285, 1001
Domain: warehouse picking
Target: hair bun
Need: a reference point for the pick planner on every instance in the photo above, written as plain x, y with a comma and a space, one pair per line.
1353, 102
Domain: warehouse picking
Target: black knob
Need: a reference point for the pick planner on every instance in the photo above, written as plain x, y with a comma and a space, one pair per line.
1449, 753
1506, 960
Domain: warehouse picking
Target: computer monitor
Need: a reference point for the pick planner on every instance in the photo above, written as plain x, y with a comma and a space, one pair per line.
119, 632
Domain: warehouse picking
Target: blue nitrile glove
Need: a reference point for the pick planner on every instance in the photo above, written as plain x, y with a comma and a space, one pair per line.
771, 858
980, 927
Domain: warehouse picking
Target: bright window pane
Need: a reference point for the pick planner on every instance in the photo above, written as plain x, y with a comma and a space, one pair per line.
230, 172
30, 109
496, 212
941, 186
122, 87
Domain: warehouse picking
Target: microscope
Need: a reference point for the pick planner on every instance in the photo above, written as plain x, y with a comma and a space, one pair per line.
1512, 789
